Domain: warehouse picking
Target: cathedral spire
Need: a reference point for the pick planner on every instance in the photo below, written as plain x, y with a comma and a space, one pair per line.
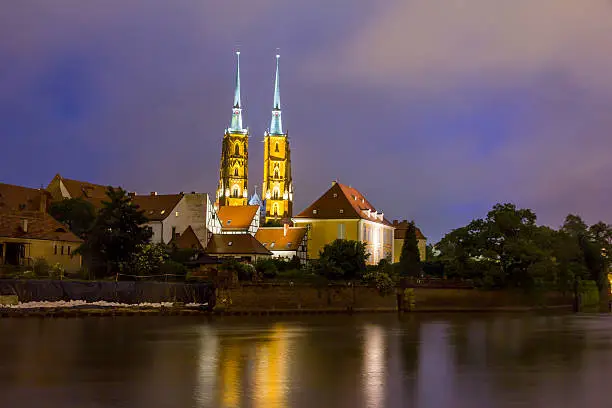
236, 124
276, 124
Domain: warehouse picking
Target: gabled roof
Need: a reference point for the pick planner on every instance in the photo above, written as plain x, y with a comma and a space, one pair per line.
93, 193
275, 239
402, 227
39, 226
187, 240
157, 207
237, 217
235, 244
17, 198
343, 202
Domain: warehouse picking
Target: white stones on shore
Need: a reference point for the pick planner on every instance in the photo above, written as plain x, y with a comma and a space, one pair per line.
82, 303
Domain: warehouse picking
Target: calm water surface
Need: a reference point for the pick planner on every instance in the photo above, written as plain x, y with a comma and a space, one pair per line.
456, 360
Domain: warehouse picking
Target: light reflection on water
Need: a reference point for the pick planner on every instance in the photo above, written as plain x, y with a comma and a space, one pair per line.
421, 361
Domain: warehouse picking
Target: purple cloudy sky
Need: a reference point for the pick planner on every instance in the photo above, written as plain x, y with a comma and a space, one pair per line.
434, 110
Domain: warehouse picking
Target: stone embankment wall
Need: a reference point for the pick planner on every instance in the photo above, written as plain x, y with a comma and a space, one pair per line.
256, 297
120, 292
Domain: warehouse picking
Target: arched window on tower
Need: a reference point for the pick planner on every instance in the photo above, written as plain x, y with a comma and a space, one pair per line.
276, 173
236, 192
276, 193
275, 210
236, 172
237, 149
276, 148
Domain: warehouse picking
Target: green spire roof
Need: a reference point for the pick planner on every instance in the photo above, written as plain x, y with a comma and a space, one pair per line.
236, 124
276, 124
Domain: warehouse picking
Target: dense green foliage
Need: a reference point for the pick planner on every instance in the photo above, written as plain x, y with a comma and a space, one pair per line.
342, 260
148, 258
76, 213
508, 249
410, 259
116, 233
382, 277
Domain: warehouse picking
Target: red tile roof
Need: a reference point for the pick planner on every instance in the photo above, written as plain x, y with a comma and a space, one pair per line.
157, 207
235, 244
34, 225
187, 240
17, 198
275, 239
237, 217
93, 193
343, 202
402, 227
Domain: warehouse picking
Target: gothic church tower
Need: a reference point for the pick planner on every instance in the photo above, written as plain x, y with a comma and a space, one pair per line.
233, 171
277, 183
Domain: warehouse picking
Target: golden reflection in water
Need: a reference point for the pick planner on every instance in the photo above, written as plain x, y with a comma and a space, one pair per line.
229, 389
272, 369
373, 375
208, 360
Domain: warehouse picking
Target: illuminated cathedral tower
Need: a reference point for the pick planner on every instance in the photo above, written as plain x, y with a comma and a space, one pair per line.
277, 185
233, 171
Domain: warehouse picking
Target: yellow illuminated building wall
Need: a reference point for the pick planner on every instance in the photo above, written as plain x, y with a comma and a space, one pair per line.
234, 170
378, 238
277, 187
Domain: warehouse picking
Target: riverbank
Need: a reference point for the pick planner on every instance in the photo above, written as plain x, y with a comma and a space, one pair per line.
191, 311
75, 299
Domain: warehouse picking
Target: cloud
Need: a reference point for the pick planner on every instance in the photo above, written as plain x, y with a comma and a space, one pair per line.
431, 45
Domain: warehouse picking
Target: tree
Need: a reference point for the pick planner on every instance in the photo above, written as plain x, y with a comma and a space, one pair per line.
343, 259
410, 259
78, 214
148, 258
117, 231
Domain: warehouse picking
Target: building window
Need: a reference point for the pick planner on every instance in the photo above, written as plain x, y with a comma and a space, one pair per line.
276, 193
275, 209
314, 212
237, 150
236, 172
176, 214
62, 250
236, 193
341, 211
276, 175
341, 231
173, 232
335, 195
55, 250
69, 251
276, 148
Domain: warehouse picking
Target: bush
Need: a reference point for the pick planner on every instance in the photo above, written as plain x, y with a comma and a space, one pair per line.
41, 268
174, 269
267, 268
381, 278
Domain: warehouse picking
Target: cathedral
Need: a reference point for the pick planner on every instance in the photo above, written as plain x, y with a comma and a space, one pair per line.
277, 186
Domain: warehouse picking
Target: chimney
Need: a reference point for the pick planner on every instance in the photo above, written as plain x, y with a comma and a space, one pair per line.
153, 193
285, 229
132, 194
24, 225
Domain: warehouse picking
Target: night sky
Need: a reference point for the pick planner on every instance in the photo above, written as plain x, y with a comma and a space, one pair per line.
435, 110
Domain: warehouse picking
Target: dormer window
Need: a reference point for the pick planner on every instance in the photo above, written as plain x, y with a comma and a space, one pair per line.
272, 245
341, 211
314, 212
335, 195
229, 222
229, 243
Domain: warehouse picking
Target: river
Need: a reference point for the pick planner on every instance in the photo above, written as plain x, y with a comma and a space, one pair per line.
419, 360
